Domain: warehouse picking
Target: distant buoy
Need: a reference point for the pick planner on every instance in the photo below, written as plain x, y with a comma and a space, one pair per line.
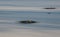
49, 8
27, 22
49, 13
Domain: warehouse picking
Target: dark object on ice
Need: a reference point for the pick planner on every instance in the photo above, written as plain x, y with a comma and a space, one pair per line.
49, 8
49, 12
27, 22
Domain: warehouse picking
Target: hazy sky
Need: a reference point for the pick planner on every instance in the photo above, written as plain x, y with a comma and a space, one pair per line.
30, 3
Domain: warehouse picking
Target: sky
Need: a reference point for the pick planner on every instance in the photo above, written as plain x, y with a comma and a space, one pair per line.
29, 3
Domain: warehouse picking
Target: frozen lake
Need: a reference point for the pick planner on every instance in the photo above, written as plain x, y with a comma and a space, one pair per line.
12, 11
48, 24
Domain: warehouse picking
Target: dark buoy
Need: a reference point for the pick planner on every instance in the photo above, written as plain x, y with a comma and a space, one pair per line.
49, 12
49, 8
27, 22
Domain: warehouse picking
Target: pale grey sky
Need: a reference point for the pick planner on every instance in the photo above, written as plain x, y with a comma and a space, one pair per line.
30, 3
